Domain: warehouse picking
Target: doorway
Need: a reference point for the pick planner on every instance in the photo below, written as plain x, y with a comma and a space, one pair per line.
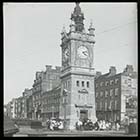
83, 115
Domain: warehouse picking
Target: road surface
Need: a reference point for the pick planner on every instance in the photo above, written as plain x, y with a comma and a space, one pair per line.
28, 132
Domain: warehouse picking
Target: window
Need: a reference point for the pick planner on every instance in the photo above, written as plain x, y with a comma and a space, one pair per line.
101, 93
110, 105
87, 84
68, 84
97, 94
101, 84
79, 96
77, 83
106, 93
116, 91
106, 105
106, 83
111, 82
111, 92
116, 81
96, 85
101, 105
116, 104
82, 83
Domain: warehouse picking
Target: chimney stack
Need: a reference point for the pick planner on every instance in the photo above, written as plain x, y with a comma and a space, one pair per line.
58, 68
112, 70
98, 73
48, 67
38, 74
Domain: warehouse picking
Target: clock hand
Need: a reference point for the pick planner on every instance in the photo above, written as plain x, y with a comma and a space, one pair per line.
85, 53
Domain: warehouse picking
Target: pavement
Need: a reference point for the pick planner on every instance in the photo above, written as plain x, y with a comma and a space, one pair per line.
28, 132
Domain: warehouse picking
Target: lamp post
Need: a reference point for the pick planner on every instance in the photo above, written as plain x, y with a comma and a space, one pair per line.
52, 111
65, 103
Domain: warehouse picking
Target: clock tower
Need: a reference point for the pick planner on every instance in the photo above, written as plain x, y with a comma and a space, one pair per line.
77, 75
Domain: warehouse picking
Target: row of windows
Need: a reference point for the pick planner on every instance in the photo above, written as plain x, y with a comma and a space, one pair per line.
83, 84
51, 101
106, 105
67, 84
50, 108
52, 95
108, 93
37, 88
107, 83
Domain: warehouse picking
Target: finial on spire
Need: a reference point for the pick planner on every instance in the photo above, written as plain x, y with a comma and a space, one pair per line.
72, 26
77, 16
77, 4
91, 24
63, 29
91, 28
64, 33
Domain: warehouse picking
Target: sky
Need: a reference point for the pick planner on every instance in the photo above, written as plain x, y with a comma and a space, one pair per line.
32, 38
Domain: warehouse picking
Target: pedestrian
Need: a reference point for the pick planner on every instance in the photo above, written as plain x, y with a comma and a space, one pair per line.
107, 125
61, 126
117, 126
96, 125
126, 124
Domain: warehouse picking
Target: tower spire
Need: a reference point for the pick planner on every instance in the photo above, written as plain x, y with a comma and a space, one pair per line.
77, 16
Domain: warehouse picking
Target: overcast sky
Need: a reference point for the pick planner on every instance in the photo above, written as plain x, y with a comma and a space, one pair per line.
32, 38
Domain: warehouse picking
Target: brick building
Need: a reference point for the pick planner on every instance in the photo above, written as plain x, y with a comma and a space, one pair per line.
44, 81
11, 108
20, 107
26, 95
51, 103
111, 91
30, 109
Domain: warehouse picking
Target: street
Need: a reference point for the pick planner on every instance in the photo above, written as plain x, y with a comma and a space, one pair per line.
28, 132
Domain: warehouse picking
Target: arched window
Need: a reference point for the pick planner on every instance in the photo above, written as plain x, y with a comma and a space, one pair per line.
77, 83
82, 83
88, 84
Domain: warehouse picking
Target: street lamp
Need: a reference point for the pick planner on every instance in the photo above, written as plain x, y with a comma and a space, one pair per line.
65, 103
52, 111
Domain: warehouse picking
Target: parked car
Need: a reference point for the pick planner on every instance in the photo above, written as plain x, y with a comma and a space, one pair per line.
10, 128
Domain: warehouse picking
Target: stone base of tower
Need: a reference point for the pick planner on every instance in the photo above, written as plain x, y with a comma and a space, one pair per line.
71, 123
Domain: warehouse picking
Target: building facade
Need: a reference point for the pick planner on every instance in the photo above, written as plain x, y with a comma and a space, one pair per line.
26, 95
44, 81
77, 75
112, 91
11, 108
51, 103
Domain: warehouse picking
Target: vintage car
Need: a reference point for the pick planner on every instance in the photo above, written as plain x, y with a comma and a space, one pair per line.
10, 128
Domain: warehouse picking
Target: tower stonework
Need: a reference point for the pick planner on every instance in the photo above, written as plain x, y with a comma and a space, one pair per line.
77, 75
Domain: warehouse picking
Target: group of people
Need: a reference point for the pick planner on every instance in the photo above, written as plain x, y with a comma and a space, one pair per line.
106, 125
87, 124
84, 125
98, 125
54, 124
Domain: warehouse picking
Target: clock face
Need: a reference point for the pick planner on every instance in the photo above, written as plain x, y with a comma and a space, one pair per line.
82, 52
